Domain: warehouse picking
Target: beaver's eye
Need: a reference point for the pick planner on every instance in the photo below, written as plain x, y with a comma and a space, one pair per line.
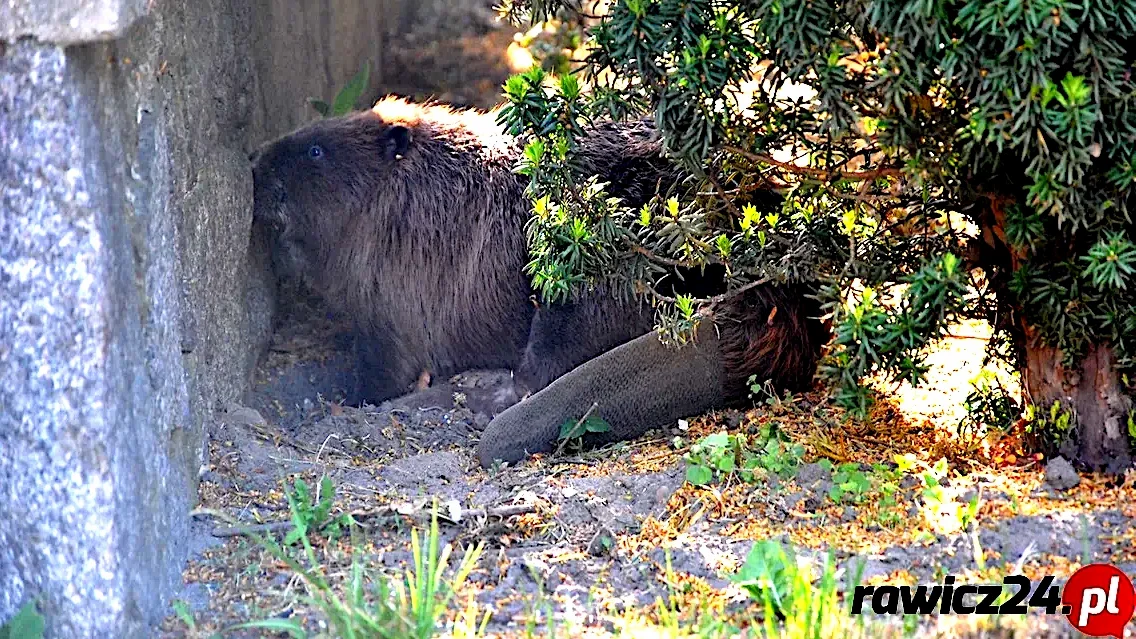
315, 151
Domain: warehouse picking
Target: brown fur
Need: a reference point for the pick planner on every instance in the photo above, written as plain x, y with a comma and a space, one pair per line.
411, 222
769, 332
424, 251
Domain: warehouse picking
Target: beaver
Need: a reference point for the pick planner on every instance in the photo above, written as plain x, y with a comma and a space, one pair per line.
410, 220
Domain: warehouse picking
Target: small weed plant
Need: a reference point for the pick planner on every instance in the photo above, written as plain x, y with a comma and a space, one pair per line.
313, 513
879, 484
796, 604
573, 431
347, 97
369, 606
722, 455
26, 624
989, 405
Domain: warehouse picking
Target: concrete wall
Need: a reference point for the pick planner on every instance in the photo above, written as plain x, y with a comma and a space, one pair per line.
132, 301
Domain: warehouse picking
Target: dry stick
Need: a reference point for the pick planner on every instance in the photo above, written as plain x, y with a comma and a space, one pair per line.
670, 261
658, 259
721, 297
252, 529
280, 438
964, 336
573, 460
814, 172
280, 526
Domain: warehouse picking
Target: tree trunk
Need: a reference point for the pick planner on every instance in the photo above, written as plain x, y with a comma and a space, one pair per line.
1092, 393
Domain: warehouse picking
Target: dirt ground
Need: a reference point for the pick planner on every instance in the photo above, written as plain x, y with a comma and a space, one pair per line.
602, 526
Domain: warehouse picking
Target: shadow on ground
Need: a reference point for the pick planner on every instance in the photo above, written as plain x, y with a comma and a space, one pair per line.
586, 538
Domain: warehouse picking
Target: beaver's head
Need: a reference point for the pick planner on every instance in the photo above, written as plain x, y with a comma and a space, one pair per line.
316, 186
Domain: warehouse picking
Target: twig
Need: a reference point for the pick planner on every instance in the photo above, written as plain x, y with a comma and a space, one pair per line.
253, 529
280, 438
324, 444
734, 210
815, 172
564, 442
859, 197
573, 460
502, 511
403, 509
710, 301
721, 297
722, 194
639, 249
658, 259
289, 460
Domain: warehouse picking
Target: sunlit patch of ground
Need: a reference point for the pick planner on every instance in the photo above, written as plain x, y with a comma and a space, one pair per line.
954, 361
1008, 492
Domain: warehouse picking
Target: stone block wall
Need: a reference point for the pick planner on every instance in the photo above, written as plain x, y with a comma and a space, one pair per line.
131, 301
134, 299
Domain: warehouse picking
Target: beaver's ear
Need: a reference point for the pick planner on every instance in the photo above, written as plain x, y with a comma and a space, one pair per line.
396, 139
